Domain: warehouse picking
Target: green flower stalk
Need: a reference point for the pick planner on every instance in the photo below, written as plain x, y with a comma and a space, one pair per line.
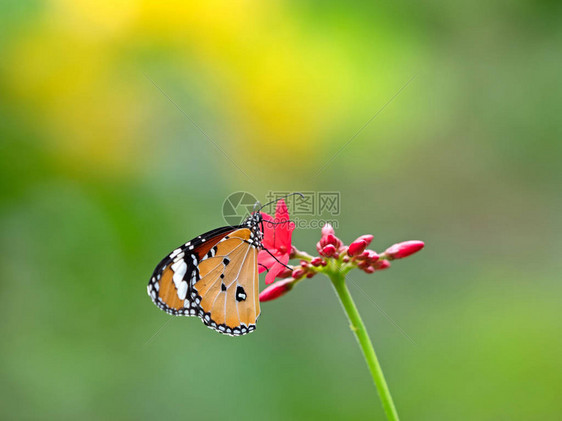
335, 260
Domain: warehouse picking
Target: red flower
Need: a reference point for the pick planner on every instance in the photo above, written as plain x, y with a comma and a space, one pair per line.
277, 240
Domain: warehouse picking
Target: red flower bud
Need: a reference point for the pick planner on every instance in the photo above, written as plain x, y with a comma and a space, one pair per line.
304, 263
367, 238
369, 269
364, 255
317, 261
382, 264
328, 237
404, 249
310, 274
368, 256
298, 273
372, 256
328, 250
363, 264
293, 252
276, 290
359, 245
285, 273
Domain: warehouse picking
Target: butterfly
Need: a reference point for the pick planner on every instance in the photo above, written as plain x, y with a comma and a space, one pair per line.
214, 277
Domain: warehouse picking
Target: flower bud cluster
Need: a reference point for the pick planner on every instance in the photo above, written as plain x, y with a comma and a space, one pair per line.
333, 254
329, 245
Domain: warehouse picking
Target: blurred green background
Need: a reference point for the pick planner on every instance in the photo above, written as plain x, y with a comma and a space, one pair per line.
102, 175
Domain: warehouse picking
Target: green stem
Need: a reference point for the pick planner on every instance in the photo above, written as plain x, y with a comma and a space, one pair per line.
357, 326
303, 255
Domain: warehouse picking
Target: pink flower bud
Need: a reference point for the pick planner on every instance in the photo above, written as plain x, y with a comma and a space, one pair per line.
317, 261
366, 238
293, 252
304, 263
381, 265
404, 249
328, 250
356, 248
310, 274
372, 256
369, 269
276, 290
359, 245
363, 264
327, 229
364, 255
298, 273
328, 237
285, 273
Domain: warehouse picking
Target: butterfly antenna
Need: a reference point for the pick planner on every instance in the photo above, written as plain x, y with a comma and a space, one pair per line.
284, 221
282, 197
278, 261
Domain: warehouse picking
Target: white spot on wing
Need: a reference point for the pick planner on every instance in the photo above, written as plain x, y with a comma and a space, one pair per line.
179, 269
182, 290
175, 253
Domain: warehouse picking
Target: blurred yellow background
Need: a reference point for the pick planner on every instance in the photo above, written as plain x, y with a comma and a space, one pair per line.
125, 125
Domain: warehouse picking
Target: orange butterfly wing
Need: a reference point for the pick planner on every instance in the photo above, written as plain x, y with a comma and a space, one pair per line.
169, 286
214, 277
228, 287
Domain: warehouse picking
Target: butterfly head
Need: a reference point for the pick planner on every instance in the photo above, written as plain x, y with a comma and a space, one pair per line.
255, 223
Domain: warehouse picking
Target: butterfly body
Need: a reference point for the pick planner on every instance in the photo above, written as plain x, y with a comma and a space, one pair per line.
214, 277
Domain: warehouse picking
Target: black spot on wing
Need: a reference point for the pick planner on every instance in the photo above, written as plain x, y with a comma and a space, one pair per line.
240, 294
